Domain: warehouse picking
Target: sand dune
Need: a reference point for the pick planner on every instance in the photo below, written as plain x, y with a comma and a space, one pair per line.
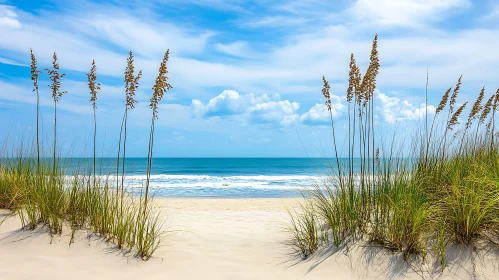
218, 239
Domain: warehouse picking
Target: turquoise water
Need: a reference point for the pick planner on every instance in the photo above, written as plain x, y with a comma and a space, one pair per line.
218, 177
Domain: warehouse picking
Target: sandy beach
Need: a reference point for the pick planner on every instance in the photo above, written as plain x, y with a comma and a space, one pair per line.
216, 239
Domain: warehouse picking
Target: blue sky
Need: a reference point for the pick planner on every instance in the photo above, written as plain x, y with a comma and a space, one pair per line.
246, 74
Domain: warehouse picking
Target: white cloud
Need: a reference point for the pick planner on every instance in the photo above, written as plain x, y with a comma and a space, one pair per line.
319, 115
11, 62
274, 21
9, 22
264, 110
229, 102
281, 112
148, 39
8, 18
80, 36
395, 110
239, 48
404, 12
255, 109
22, 94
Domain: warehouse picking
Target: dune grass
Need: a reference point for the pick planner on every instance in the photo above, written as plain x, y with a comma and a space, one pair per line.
446, 191
59, 201
42, 194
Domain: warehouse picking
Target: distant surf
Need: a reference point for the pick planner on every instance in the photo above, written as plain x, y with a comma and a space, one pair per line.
218, 177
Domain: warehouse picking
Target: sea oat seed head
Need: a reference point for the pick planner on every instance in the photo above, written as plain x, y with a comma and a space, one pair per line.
477, 107
131, 82
486, 109
496, 101
351, 79
55, 77
453, 97
455, 117
354, 80
443, 101
489, 125
34, 71
161, 85
92, 86
326, 93
358, 83
369, 82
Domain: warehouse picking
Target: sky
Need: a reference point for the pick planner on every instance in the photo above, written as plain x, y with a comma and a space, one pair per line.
246, 75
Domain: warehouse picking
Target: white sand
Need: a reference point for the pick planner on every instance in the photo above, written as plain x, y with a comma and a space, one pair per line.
217, 239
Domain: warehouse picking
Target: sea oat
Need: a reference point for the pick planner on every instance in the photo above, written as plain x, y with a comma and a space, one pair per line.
131, 82
477, 107
92, 86
34, 71
374, 61
486, 109
34, 77
496, 101
351, 79
326, 93
455, 117
131, 85
161, 85
357, 83
454, 94
369, 82
443, 101
135, 87
489, 125
55, 77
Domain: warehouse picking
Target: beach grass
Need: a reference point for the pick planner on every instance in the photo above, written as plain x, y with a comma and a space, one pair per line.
42, 197
43, 191
444, 191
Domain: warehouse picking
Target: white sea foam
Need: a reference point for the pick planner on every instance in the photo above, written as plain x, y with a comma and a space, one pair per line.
229, 185
248, 185
225, 178
179, 184
274, 182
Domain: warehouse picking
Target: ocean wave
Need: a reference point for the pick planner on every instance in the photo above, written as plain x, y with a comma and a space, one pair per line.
193, 183
248, 185
226, 178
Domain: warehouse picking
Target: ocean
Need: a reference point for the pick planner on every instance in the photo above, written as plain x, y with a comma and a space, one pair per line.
217, 177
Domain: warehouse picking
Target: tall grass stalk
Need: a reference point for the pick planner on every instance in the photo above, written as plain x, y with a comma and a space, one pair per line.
34, 77
94, 88
55, 77
160, 87
131, 85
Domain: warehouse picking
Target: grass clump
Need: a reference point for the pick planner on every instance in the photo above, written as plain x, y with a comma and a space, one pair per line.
304, 229
445, 192
43, 192
74, 203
